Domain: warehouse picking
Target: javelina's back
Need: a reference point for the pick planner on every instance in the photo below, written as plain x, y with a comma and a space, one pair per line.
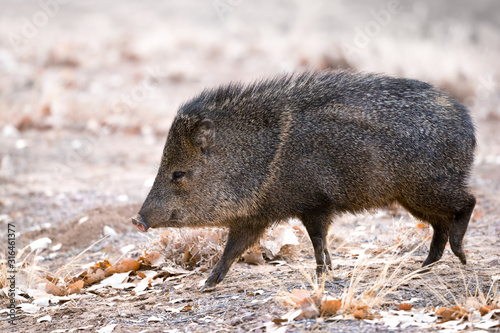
316, 144
364, 139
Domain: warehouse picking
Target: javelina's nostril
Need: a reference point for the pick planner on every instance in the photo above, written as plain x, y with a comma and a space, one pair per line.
139, 223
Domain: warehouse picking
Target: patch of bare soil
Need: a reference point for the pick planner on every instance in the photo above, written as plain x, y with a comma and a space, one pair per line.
82, 231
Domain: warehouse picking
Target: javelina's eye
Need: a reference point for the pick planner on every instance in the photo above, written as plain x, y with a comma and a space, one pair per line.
177, 175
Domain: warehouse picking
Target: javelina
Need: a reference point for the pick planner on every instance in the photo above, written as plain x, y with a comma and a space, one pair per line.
311, 146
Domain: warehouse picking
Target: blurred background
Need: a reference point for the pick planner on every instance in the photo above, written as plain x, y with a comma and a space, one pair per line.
88, 89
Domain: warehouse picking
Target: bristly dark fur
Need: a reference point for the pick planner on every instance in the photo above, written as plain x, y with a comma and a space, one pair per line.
313, 145
309, 87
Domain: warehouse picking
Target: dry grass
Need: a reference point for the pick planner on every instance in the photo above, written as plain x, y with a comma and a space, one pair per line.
203, 247
389, 277
3, 270
471, 298
378, 274
362, 293
191, 248
27, 268
67, 269
29, 273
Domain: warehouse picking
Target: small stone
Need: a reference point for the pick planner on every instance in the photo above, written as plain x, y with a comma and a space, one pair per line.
236, 321
108, 231
10, 131
493, 262
248, 317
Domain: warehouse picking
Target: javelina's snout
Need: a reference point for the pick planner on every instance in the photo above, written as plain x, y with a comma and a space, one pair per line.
139, 223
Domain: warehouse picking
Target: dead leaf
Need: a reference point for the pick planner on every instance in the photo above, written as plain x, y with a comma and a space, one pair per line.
405, 306
440, 311
95, 273
145, 282
445, 313
51, 279
53, 289
477, 215
257, 292
186, 257
187, 308
44, 319
114, 281
88, 327
174, 271
254, 258
150, 259
75, 288
107, 329
94, 276
460, 312
299, 295
282, 235
359, 314
46, 110
279, 321
309, 309
28, 308
453, 313
26, 122
485, 310
124, 266
330, 307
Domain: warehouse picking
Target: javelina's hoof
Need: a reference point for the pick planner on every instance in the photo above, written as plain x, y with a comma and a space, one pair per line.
207, 288
461, 255
426, 267
323, 271
423, 270
215, 277
209, 284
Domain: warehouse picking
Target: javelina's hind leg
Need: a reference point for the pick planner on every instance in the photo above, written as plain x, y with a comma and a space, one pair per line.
441, 226
317, 223
240, 238
459, 227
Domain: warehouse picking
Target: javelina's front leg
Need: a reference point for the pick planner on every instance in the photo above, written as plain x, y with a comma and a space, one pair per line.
240, 238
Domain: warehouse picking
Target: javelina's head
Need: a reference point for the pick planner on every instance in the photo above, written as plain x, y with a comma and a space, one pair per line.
187, 189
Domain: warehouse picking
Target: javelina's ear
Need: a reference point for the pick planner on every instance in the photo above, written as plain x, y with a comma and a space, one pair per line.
204, 135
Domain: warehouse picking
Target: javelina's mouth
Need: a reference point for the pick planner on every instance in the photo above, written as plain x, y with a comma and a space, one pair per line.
139, 223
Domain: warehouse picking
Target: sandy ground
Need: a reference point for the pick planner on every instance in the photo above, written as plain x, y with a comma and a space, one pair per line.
87, 94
